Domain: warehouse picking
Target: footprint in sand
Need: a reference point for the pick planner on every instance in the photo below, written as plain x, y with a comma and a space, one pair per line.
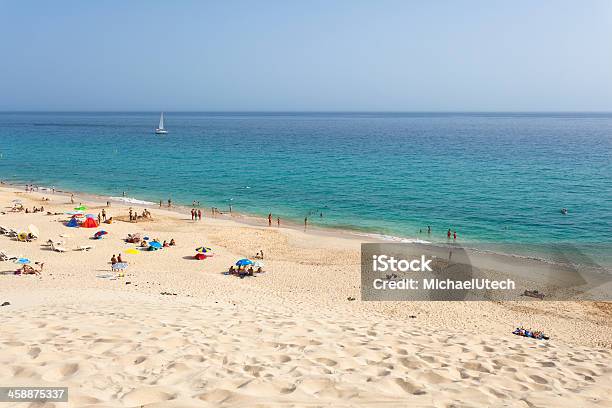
326, 361
34, 352
147, 395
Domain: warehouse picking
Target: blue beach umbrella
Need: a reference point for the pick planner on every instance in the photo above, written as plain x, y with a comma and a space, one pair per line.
155, 245
244, 262
23, 261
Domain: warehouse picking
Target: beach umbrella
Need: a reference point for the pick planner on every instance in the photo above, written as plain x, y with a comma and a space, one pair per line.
155, 245
23, 261
200, 256
204, 250
81, 208
73, 223
244, 262
34, 230
90, 222
99, 234
132, 251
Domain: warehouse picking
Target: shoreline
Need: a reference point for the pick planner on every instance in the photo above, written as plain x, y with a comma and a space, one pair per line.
326, 231
297, 332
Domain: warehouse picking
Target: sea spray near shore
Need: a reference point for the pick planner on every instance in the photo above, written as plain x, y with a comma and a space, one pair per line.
131, 200
494, 178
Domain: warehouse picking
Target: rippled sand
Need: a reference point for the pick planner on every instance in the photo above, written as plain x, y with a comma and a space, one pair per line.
288, 337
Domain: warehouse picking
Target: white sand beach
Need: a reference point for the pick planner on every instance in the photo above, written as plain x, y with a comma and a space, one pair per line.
175, 331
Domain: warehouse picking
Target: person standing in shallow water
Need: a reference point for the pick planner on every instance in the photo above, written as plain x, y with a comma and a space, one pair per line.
270, 220
448, 233
278, 221
454, 235
305, 222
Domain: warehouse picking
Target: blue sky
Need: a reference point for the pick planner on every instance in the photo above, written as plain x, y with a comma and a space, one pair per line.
306, 55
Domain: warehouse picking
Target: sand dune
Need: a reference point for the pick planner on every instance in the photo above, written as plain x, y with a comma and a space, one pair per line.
288, 337
131, 350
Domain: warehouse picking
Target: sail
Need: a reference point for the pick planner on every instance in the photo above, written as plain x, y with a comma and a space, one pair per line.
161, 121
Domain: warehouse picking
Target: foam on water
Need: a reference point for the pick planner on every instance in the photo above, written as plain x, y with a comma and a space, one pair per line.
131, 200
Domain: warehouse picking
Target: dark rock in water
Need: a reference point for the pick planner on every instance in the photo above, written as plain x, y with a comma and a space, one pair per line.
6, 304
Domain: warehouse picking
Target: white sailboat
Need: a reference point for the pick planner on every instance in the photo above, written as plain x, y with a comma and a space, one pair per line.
160, 130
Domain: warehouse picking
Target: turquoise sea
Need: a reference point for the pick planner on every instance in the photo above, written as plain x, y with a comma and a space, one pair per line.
498, 179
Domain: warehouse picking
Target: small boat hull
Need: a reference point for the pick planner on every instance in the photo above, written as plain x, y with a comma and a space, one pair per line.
160, 131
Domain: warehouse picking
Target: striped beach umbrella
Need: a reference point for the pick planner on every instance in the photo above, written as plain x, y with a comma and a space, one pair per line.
204, 250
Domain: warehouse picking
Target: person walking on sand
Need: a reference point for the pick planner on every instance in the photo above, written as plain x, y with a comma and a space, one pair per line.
192, 214
200, 215
71, 198
270, 220
160, 203
103, 214
99, 218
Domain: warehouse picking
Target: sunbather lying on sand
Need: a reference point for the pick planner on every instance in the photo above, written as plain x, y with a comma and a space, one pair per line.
519, 331
28, 270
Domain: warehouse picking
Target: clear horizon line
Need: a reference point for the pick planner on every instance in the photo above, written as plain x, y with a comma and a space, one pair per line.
309, 111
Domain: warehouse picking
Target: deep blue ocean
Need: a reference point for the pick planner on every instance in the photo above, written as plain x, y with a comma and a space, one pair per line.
498, 179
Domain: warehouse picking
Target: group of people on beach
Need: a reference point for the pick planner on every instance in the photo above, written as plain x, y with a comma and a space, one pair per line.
30, 188
35, 210
242, 271
134, 215
270, 220
165, 244
116, 259
196, 214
